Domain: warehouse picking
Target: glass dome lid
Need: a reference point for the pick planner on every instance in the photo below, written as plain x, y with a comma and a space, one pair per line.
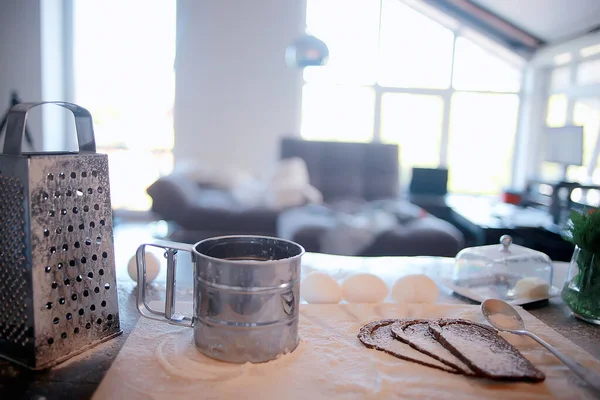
505, 271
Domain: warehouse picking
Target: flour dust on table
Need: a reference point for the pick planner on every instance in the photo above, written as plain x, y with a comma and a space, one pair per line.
178, 356
160, 362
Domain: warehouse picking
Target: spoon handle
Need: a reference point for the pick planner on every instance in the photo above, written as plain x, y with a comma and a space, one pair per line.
590, 377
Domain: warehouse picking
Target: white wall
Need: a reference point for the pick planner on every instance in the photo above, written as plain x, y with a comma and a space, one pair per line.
235, 96
20, 58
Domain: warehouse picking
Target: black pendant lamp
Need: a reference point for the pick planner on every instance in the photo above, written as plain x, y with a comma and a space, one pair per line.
306, 51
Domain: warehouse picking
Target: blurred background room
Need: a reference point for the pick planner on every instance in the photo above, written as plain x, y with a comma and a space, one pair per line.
359, 127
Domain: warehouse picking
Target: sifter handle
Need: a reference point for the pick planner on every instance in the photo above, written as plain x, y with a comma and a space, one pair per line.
16, 122
168, 315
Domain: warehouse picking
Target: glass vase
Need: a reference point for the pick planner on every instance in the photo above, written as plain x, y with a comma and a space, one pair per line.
581, 292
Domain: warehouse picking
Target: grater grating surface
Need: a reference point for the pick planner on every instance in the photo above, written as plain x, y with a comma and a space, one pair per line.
72, 240
16, 324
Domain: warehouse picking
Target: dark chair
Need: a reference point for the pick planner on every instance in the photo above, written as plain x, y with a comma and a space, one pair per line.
429, 182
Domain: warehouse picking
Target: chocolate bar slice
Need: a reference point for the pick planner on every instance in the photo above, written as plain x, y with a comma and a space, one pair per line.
485, 352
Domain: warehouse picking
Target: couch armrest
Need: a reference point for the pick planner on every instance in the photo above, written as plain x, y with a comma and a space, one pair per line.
173, 195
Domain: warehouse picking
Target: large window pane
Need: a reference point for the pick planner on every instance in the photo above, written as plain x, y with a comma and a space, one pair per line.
130, 93
586, 113
337, 113
415, 51
588, 72
350, 30
129, 180
125, 77
414, 122
560, 78
476, 68
556, 115
481, 141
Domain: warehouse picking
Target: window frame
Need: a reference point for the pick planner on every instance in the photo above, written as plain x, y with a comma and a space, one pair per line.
573, 93
537, 89
458, 29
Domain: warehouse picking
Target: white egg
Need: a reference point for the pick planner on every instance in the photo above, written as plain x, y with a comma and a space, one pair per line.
152, 267
320, 288
417, 288
364, 288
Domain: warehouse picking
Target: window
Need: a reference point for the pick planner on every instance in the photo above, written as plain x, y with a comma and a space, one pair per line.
475, 68
560, 78
572, 99
588, 72
556, 117
586, 113
351, 36
402, 58
331, 111
482, 136
403, 74
124, 75
557, 111
415, 121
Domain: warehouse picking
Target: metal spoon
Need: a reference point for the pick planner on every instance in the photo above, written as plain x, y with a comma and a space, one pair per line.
504, 317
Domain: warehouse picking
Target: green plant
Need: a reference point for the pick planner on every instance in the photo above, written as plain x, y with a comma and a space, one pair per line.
582, 289
583, 230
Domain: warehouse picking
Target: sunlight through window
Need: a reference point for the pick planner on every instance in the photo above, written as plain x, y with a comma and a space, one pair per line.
124, 53
401, 73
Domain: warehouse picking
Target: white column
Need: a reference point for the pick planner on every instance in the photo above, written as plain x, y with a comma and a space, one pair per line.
531, 126
235, 95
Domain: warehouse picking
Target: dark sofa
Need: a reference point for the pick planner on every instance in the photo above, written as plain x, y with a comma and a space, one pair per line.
361, 177
345, 173
201, 212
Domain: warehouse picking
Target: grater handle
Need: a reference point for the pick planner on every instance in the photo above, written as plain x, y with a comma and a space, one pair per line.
168, 315
16, 122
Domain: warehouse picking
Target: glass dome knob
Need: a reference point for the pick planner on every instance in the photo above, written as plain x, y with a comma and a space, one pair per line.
505, 241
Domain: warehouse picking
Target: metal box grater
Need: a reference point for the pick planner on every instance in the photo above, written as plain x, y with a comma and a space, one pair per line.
58, 294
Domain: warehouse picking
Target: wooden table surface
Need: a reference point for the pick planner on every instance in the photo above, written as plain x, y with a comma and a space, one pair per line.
79, 377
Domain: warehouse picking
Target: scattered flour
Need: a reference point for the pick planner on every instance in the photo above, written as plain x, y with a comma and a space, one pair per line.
159, 362
179, 357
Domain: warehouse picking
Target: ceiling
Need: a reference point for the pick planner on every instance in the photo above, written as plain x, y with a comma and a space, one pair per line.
550, 20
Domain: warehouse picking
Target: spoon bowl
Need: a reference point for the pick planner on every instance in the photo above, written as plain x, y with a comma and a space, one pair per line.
504, 317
